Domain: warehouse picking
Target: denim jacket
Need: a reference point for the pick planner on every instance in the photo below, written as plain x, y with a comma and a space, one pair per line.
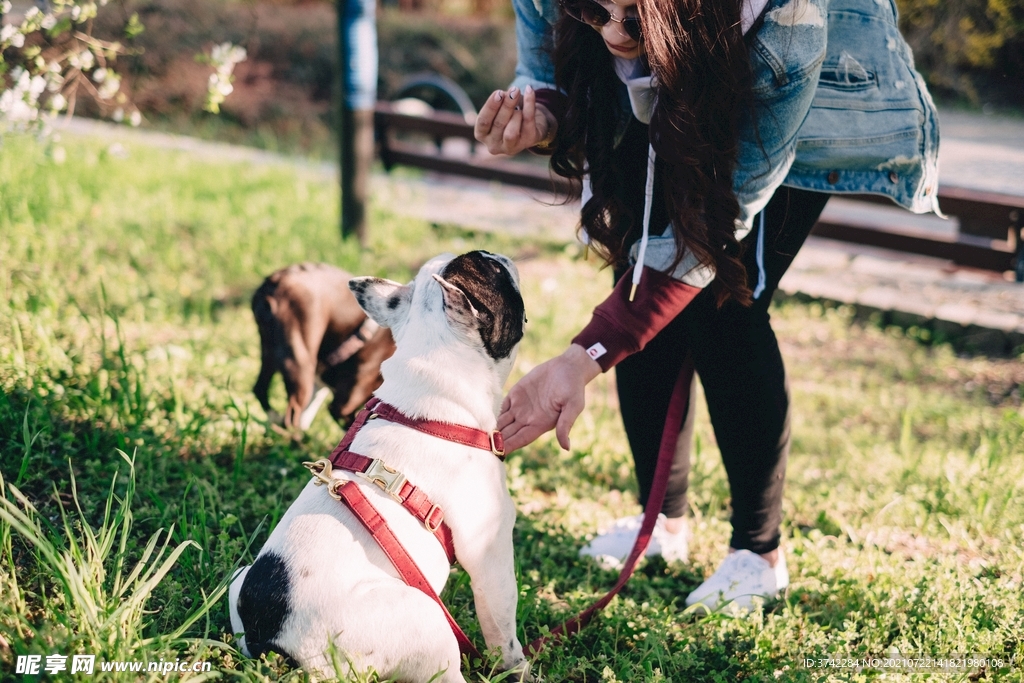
839, 106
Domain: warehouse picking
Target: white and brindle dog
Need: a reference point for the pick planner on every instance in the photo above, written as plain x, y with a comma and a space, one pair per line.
321, 579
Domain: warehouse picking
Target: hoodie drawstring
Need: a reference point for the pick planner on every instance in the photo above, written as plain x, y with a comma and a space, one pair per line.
648, 200
760, 258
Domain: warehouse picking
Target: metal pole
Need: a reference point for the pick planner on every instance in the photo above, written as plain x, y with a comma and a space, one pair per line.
345, 128
357, 41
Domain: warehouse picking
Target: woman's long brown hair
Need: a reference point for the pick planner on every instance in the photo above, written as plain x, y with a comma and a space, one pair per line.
696, 50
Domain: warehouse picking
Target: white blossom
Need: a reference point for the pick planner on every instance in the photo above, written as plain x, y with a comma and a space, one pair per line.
54, 82
19, 103
34, 93
36, 86
226, 53
12, 35
6, 101
111, 84
88, 11
83, 60
223, 57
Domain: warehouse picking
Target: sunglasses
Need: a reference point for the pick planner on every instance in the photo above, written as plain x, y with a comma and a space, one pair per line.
596, 15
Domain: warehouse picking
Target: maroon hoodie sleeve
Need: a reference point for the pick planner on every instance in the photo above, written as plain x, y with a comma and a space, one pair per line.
620, 327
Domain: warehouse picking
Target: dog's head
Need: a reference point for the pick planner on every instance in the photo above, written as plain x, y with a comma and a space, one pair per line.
473, 299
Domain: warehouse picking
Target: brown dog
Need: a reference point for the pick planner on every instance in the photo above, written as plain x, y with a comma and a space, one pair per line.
312, 327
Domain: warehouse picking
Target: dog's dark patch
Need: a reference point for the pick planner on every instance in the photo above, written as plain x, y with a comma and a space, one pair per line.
393, 302
263, 603
491, 290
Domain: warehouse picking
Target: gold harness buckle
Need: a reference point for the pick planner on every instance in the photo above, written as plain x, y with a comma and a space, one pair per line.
390, 480
432, 528
500, 452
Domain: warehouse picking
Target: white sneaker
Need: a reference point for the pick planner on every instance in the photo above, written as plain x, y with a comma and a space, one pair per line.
611, 548
740, 578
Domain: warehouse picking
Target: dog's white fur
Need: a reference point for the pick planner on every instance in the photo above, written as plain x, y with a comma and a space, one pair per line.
343, 588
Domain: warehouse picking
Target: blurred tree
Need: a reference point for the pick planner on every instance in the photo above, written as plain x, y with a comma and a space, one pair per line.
962, 46
49, 54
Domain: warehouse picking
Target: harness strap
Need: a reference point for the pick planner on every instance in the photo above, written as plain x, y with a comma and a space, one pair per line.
666, 454
467, 436
350, 434
411, 497
407, 568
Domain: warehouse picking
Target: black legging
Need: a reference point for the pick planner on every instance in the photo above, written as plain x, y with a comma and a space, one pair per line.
737, 357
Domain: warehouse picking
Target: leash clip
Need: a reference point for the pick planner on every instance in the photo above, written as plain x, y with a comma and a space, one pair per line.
321, 471
390, 480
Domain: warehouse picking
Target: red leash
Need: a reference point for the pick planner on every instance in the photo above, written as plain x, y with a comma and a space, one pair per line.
666, 453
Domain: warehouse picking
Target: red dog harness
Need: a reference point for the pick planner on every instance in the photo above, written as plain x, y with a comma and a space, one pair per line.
396, 485
432, 517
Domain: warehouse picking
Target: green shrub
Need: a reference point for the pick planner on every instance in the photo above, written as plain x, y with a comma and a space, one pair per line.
972, 49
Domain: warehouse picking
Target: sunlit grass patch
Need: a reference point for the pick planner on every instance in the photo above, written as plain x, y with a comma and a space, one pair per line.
124, 324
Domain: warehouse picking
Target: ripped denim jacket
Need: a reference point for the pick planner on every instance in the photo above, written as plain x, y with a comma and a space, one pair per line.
839, 106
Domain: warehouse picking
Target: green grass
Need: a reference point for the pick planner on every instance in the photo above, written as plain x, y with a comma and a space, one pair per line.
130, 442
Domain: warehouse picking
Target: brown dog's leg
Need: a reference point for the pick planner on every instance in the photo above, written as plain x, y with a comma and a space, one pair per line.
267, 370
299, 374
271, 335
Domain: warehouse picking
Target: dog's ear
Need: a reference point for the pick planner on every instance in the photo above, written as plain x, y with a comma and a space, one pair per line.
495, 306
386, 301
460, 310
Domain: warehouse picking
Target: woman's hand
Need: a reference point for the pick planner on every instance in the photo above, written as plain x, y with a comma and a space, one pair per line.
510, 122
549, 396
